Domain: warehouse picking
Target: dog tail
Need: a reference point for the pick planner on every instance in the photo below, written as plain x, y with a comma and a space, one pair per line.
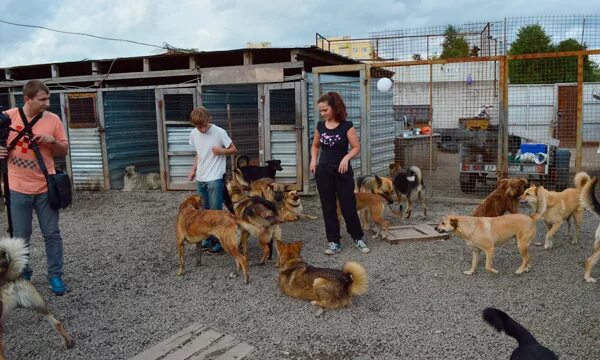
359, 283
502, 322
242, 161
251, 228
588, 197
581, 178
17, 253
417, 173
226, 195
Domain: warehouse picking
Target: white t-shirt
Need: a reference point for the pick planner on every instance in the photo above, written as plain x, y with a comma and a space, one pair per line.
210, 167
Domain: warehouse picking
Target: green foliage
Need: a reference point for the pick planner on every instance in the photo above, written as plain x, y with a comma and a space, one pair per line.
454, 45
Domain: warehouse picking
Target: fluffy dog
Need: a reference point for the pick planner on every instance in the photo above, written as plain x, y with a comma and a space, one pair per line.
485, 233
408, 184
252, 172
260, 213
195, 224
133, 180
325, 288
370, 207
529, 348
17, 292
504, 198
556, 207
589, 201
377, 185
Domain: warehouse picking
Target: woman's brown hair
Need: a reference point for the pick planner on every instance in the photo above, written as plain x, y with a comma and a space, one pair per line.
334, 100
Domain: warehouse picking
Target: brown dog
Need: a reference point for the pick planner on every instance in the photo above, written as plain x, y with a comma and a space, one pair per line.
556, 207
380, 185
195, 224
259, 212
291, 208
589, 202
485, 233
325, 288
504, 198
370, 207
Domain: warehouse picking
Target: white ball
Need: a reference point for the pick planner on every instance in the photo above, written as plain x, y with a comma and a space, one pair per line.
384, 84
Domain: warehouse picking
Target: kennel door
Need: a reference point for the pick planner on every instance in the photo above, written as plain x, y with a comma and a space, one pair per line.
283, 129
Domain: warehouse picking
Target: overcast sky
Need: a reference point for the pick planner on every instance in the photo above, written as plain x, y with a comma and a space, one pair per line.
228, 24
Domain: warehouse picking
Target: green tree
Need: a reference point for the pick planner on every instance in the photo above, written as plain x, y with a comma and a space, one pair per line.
454, 45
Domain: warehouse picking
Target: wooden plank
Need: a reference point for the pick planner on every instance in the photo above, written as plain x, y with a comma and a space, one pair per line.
171, 343
411, 233
239, 351
203, 341
218, 348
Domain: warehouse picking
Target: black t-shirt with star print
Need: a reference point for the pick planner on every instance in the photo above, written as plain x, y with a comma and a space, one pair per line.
333, 142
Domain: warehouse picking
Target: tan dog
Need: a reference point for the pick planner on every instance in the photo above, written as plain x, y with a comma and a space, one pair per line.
556, 207
485, 233
259, 212
370, 207
291, 209
325, 288
266, 188
504, 198
589, 201
19, 293
380, 185
195, 224
133, 180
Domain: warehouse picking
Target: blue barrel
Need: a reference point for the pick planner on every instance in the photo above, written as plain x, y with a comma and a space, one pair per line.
562, 159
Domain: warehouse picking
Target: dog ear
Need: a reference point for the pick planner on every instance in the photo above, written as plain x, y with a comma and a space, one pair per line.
237, 176
502, 183
378, 180
542, 195
454, 222
297, 246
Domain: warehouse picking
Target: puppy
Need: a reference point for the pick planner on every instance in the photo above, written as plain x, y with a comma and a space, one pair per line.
291, 208
529, 348
259, 212
504, 198
17, 292
485, 233
589, 202
377, 185
370, 206
252, 172
325, 288
133, 180
408, 184
195, 224
556, 207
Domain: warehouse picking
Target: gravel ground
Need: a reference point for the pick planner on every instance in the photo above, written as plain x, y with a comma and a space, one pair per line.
121, 263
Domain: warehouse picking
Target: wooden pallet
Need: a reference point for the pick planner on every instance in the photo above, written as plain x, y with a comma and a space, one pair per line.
412, 233
197, 342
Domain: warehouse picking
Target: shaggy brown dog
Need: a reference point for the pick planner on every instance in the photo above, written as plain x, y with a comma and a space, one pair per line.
325, 288
370, 206
380, 185
504, 198
195, 224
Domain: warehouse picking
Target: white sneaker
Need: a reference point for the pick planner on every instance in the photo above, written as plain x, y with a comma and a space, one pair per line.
334, 248
360, 245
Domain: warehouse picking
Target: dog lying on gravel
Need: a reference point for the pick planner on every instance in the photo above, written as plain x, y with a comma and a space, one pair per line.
325, 288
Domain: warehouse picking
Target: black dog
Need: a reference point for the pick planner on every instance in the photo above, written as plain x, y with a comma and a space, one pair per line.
409, 183
529, 348
253, 172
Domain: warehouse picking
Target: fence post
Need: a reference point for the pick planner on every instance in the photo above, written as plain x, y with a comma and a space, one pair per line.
502, 169
365, 119
579, 141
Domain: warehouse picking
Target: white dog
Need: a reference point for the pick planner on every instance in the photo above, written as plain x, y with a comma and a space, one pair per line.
133, 180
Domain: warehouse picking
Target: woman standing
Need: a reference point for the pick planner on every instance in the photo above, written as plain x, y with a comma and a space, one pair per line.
333, 174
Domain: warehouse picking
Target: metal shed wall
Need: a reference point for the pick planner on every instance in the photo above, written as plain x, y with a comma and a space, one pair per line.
131, 132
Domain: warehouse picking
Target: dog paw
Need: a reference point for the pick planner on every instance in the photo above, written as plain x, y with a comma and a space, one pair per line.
537, 243
180, 272
590, 279
468, 272
233, 275
492, 270
548, 246
69, 343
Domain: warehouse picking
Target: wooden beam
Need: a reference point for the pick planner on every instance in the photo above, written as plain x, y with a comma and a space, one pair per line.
294, 55
337, 68
7, 74
579, 135
146, 65
54, 70
193, 64
327, 59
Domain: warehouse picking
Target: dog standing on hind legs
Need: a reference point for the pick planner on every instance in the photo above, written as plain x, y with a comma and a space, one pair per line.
17, 292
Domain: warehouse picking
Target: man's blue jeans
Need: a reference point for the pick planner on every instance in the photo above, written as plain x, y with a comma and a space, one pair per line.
212, 197
22, 206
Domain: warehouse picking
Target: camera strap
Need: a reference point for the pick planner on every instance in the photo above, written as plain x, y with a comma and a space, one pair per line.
27, 128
